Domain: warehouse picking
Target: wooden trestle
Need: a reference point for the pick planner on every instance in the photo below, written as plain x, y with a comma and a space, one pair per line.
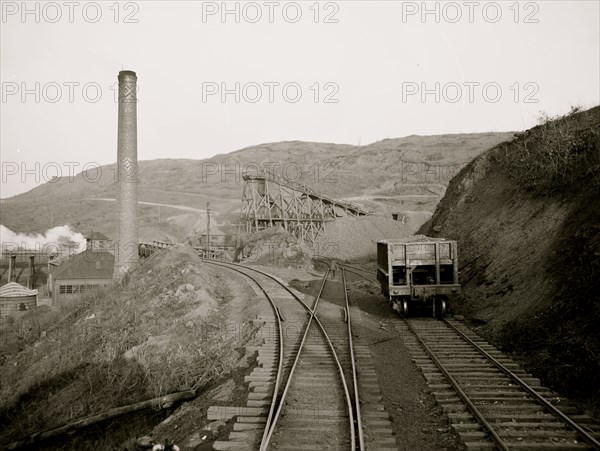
268, 201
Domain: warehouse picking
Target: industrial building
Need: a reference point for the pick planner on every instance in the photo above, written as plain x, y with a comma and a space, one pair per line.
81, 274
84, 272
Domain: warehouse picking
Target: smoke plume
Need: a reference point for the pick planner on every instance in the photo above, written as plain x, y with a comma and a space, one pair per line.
61, 237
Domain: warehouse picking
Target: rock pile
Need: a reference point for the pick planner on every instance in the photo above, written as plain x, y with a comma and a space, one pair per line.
274, 247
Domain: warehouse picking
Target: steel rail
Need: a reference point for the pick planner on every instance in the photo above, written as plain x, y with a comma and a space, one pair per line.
583, 433
499, 442
356, 271
373, 281
361, 439
281, 341
312, 311
356, 268
564, 418
264, 445
349, 268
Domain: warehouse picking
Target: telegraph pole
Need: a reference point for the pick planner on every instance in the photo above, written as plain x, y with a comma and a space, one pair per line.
208, 230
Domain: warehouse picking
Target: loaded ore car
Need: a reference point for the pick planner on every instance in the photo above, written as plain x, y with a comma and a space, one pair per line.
418, 272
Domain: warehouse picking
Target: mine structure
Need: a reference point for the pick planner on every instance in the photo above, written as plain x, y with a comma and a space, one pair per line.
269, 200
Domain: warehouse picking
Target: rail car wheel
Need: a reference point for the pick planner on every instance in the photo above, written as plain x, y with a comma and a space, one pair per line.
439, 307
403, 310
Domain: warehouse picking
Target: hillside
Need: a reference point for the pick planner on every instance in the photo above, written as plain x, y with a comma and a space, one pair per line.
526, 216
133, 342
394, 175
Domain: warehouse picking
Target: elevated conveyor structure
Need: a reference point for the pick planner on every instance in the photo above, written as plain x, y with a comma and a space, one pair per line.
269, 200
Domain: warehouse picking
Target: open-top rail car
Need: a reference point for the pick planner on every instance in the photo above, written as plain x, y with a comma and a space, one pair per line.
418, 272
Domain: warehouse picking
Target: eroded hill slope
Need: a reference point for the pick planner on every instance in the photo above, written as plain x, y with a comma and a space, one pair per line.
526, 214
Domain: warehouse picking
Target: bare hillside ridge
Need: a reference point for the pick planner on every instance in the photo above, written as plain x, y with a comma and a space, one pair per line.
403, 174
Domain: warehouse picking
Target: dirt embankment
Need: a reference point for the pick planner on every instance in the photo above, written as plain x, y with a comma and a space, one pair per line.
526, 216
165, 329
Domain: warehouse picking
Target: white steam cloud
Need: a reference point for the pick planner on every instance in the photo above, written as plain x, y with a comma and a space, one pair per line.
61, 237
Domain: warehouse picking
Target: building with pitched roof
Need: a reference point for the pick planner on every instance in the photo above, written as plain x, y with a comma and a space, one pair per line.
84, 272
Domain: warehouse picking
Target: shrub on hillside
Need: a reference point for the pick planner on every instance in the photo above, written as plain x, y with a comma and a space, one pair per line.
557, 154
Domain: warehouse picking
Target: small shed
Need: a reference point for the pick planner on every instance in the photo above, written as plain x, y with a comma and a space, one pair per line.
16, 298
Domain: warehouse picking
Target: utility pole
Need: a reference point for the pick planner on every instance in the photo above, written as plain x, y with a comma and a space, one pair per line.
208, 230
12, 269
31, 277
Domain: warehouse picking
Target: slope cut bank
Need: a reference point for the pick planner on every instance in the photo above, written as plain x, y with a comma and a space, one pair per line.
175, 324
527, 218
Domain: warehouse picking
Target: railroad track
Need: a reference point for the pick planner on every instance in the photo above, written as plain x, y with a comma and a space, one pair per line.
358, 272
349, 268
491, 402
354, 268
306, 377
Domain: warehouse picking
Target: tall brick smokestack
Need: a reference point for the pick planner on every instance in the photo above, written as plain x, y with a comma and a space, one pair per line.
126, 257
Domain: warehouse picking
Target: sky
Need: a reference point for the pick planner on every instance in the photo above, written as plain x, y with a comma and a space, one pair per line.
215, 77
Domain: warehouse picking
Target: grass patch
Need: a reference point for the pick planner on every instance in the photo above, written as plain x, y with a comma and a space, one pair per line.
156, 333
